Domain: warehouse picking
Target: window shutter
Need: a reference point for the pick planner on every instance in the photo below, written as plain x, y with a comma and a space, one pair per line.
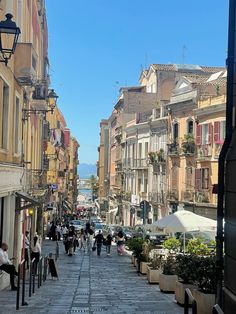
210, 131
217, 132
199, 135
198, 179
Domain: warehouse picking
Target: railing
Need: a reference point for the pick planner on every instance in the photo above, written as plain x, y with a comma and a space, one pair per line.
189, 297
204, 151
217, 310
173, 195
202, 197
173, 149
188, 148
187, 196
42, 267
140, 163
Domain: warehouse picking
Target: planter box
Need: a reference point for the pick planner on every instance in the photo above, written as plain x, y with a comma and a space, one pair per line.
143, 268
167, 282
180, 291
135, 262
205, 301
132, 259
153, 275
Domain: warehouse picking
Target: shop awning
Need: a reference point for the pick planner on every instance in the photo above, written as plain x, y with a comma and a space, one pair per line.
29, 200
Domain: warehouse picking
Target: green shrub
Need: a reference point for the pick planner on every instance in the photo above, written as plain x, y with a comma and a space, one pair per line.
156, 262
186, 268
136, 246
172, 244
197, 247
169, 266
206, 278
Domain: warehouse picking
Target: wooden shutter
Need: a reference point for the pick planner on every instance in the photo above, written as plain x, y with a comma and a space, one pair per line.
198, 134
217, 132
210, 131
197, 179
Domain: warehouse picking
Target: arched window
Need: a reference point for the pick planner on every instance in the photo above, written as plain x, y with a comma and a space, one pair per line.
175, 131
189, 126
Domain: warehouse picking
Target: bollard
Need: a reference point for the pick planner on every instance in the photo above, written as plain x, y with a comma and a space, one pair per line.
189, 297
45, 264
18, 289
33, 268
30, 279
23, 303
39, 271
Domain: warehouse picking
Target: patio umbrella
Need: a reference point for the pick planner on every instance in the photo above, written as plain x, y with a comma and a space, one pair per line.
184, 221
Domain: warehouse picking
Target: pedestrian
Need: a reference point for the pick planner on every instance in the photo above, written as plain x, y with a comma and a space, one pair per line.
35, 253
82, 238
99, 241
27, 248
72, 238
87, 227
120, 243
7, 266
53, 231
108, 243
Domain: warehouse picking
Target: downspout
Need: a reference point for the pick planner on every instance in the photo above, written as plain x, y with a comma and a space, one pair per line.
224, 150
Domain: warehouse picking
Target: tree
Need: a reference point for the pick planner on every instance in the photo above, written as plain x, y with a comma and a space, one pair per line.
93, 182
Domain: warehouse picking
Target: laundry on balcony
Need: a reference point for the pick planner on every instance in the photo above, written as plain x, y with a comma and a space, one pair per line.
29, 201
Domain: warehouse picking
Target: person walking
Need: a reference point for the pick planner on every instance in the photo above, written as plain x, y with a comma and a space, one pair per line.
35, 253
120, 243
7, 266
108, 243
27, 248
82, 238
99, 241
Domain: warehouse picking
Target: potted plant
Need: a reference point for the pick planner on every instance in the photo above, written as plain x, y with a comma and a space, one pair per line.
144, 257
172, 245
168, 277
154, 268
186, 272
160, 155
136, 246
152, 157
206, 283
188, 144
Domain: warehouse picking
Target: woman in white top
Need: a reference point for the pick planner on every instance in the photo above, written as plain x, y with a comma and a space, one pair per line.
35, 253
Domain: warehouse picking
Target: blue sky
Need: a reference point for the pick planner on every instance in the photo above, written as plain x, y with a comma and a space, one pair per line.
94, 44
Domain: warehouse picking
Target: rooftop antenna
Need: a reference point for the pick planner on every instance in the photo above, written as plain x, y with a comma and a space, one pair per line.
184, 49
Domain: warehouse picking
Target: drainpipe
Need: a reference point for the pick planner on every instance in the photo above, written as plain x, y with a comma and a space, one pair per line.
224, 150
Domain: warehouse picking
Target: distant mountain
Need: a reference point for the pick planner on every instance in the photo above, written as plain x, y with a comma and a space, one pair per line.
86, 170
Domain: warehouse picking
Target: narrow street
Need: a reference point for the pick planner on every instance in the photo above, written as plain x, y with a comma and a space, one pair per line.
91, 284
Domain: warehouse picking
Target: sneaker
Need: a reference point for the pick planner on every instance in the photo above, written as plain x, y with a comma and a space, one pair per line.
14, 288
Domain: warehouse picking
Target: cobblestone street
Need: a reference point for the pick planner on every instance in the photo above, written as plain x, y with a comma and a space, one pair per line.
92, 284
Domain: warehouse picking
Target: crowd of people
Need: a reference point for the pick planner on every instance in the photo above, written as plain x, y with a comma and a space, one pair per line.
84, 239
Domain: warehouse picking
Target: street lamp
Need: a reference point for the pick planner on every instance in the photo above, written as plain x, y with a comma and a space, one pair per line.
51, 101
9, 34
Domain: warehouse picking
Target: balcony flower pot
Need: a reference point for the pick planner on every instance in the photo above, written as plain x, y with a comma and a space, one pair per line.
180, 288
167, 282
168, 278
153, 275
205, 301
144, 268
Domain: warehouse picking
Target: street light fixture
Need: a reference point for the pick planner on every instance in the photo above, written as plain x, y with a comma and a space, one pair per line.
51, 101
9, 34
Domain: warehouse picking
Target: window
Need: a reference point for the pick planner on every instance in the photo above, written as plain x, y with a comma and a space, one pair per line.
16, 126
175, 178
188, 178
145, 185
201, 179
5, 110
219, 132
146, 149
204, 134
175, 132
190, 127
1, 218
140, 150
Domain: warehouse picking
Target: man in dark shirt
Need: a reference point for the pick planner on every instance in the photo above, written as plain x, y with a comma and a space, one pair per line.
99, 241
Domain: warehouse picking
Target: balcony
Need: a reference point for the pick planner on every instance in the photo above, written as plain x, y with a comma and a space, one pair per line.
173, 149
156, 198
202, 197
156, 157
187, 196
25, 63
204, 152
188, 149
217, 150
140, 163
173, 195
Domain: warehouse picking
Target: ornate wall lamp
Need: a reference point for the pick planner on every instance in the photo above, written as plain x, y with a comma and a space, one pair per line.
51, 101
9, 34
